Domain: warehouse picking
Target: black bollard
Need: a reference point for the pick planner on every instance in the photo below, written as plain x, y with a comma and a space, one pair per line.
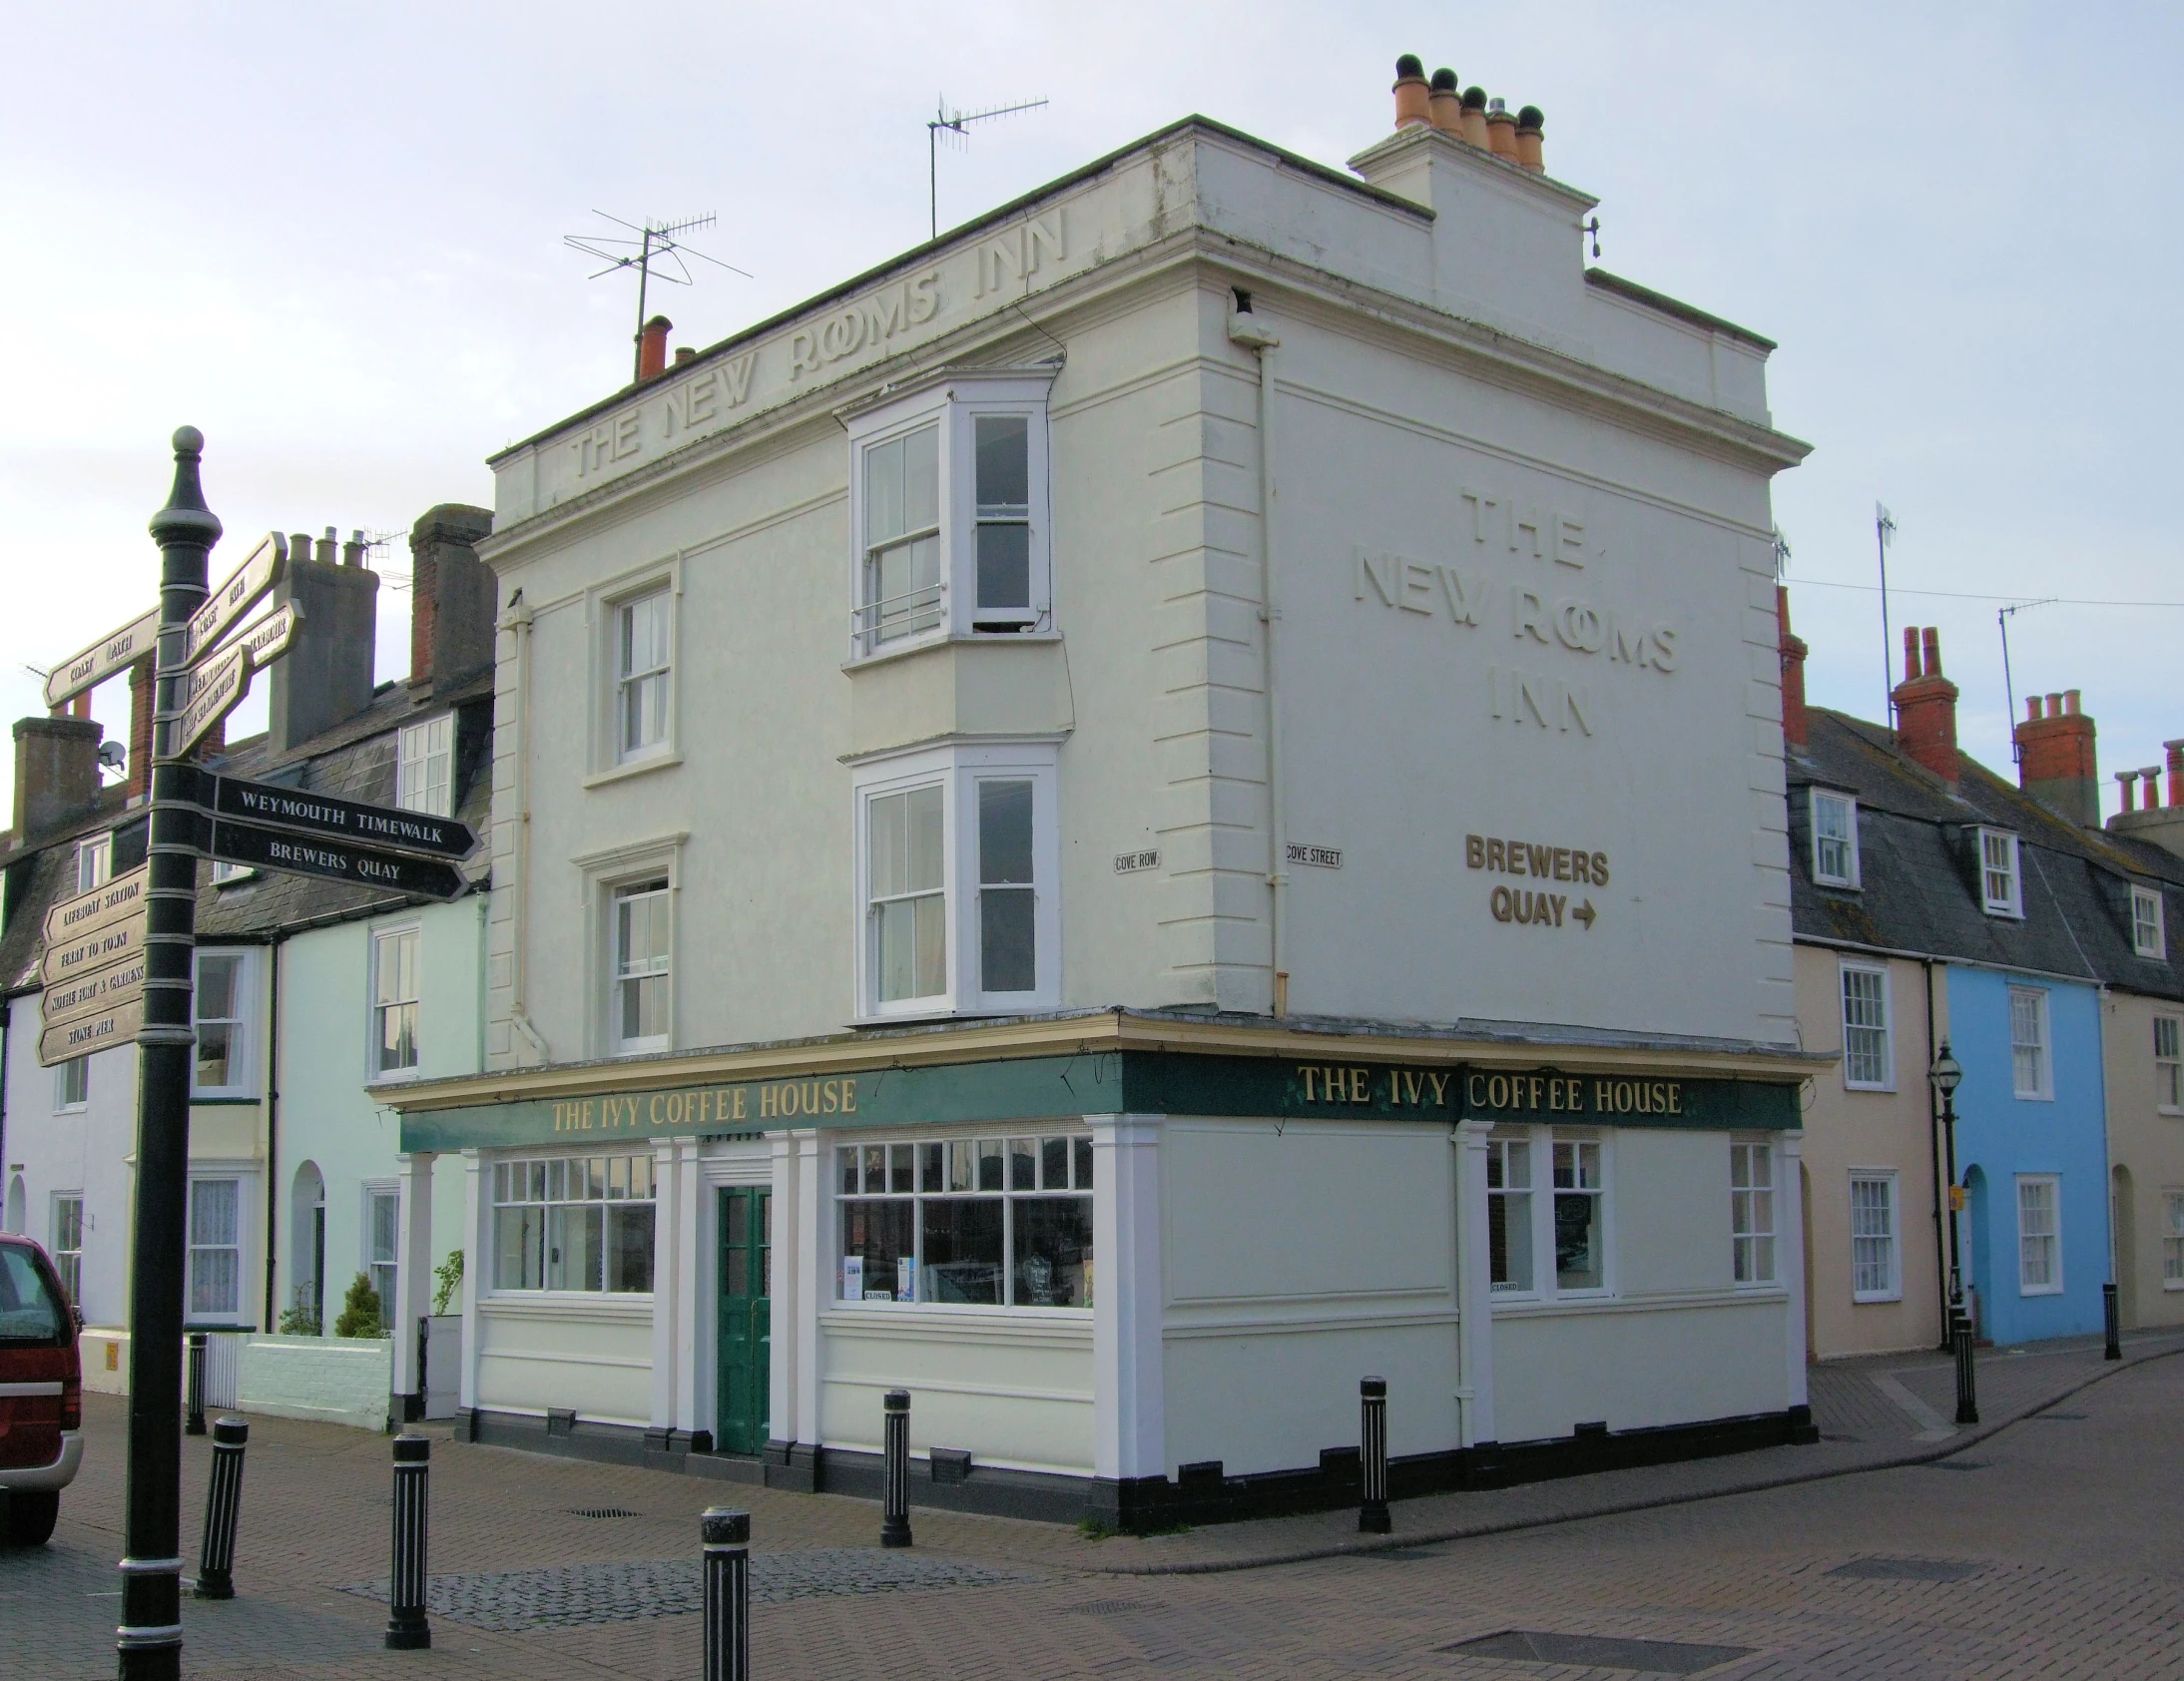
2112, 1314
196, 1423
894, 1525
407, 1629
216, 1556
728, 1593
1967, 1397
1373, 1515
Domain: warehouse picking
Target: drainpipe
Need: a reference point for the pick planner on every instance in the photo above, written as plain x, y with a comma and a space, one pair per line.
1245, 330
1933, 1127
517, 619
273, 1133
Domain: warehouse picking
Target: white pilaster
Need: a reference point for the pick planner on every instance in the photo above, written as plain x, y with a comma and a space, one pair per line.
789, 1271
477, 1226
814, 1283
1790, 1258
1129, 1416
412, 1268
692, 1282
667, 1221
1474, 1284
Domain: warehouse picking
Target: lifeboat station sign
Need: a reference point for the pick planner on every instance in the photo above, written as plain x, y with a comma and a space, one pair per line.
1050, 1088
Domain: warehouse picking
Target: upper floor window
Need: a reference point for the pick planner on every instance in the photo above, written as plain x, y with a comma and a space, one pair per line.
642, 936
948, 504
958, 864
2031, 1067
225, 872
644, 669
1834, 838
395, 993
220, 1070
2169, 1063
1869, 1056
2148, 937
424, 766
72, 1083
94, 863
2001, 893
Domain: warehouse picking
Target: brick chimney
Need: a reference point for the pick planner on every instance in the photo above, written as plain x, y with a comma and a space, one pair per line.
452, 598
2055, 758
55, 774
141, 699
1926, 706
325, 678
1796, 727
652, 349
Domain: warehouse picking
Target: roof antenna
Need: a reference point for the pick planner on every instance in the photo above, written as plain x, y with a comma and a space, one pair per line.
2009, 689
1883, 535
958, 123
656, 242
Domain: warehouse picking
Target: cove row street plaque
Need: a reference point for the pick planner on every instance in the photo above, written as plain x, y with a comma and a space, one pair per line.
102, 1031
110, 654
120, 898
324, 816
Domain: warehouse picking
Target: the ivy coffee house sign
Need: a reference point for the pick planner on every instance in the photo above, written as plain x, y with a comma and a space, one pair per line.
1113, 1083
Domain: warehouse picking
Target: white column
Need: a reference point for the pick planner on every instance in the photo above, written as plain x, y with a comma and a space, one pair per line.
666, 1213
1475, 1283
693, 1282
789, 1271
412, 1273
1129, 1408
477, 1229
815, 1287
1790, 1260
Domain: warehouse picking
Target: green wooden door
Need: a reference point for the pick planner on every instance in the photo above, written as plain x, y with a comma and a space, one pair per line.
744, 1376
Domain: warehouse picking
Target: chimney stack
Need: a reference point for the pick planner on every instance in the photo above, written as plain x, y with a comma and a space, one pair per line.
2056, 761
141, 699
1530, 123
1795, 726
1926, 707
652, 349
1414, 99
1448, 103
55, 774
452, 597
2176, 771
326, 677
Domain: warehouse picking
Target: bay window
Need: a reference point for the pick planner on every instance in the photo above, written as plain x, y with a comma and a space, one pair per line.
978, 1222
947, 493
574, 1223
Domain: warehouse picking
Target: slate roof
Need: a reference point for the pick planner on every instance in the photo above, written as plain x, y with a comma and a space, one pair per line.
355, 759
1918, 868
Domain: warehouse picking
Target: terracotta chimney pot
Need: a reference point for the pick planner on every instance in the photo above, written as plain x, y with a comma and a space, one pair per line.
1474, 130
1448, 103
2032, 709
2126, 781
1530, 123
684, 356
1795, 720
1414, 100
2151, 777
652, 349
1502, 130
1910, 652
2176, 771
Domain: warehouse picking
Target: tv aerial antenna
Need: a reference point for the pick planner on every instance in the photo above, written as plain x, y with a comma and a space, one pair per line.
1883, 535
958, 123
2009, 689
659, 253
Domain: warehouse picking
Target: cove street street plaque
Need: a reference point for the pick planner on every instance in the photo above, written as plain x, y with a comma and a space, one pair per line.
244, 588
90, 994
331, 819
117, 1025
333, 860
119, 899
110, 654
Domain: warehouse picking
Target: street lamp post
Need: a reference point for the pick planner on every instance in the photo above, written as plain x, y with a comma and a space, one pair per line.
1946, 1076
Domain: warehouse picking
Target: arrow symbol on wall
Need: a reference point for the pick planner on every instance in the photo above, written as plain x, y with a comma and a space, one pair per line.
1585, 913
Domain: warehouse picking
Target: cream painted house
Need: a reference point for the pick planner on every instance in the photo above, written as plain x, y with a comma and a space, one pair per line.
1165, 802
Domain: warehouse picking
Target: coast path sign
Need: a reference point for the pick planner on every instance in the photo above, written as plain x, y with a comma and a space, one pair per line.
110, 654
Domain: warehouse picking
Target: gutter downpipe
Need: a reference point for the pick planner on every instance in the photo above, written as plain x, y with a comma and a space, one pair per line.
1245, 330
273, 1133
1934, 1129
517, 620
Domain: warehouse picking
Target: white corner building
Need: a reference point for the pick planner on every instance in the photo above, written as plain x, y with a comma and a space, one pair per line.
1166, 802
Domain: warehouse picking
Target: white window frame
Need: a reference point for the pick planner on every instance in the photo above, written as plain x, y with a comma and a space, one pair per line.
1548, 1288
2053, 1285
499, 1176
2011, 902
240, 1040
2169, 1064
1815, 800
68, 1262
957, 771
955, 400
625, 890
94, 861
1886, 1178
603, 609
377, 1072
1887, 1028
604, 872
78, 1068
1755, 1212
2043, 1091
2149, 932
371, 1194
241, 1247
424, 765
225, 873
1499, 1145
2172, 1239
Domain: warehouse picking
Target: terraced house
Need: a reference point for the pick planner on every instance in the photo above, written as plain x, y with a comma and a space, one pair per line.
1173, 797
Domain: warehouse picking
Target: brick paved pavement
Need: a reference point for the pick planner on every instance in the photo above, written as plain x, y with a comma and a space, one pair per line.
2069, 1533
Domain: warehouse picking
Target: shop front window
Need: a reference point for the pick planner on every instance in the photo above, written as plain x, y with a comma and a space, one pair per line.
1510, 1212
1577, 1197
574, 1223
978, 1222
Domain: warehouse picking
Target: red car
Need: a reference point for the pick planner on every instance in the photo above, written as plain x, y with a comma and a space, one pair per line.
41, 1393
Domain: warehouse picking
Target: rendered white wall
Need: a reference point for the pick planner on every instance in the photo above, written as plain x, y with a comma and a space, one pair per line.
592, 1357
333, 1379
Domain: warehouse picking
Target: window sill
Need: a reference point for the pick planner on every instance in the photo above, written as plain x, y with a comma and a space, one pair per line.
2044, 1290
920, 644
1834, 885
541, 1301
1876, 1092
385, 1082
2003, 913
2173, 1114
2172, 1284
944, 1012
219, 1100
2033, 1096
632, 767
1883, 1299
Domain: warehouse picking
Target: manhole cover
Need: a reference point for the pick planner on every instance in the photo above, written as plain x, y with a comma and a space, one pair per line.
1908, 1569
1957, 1465
602, 1512
1110, 1607
1601, 1651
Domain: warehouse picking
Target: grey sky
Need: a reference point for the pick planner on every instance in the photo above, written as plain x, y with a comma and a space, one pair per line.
329, 237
